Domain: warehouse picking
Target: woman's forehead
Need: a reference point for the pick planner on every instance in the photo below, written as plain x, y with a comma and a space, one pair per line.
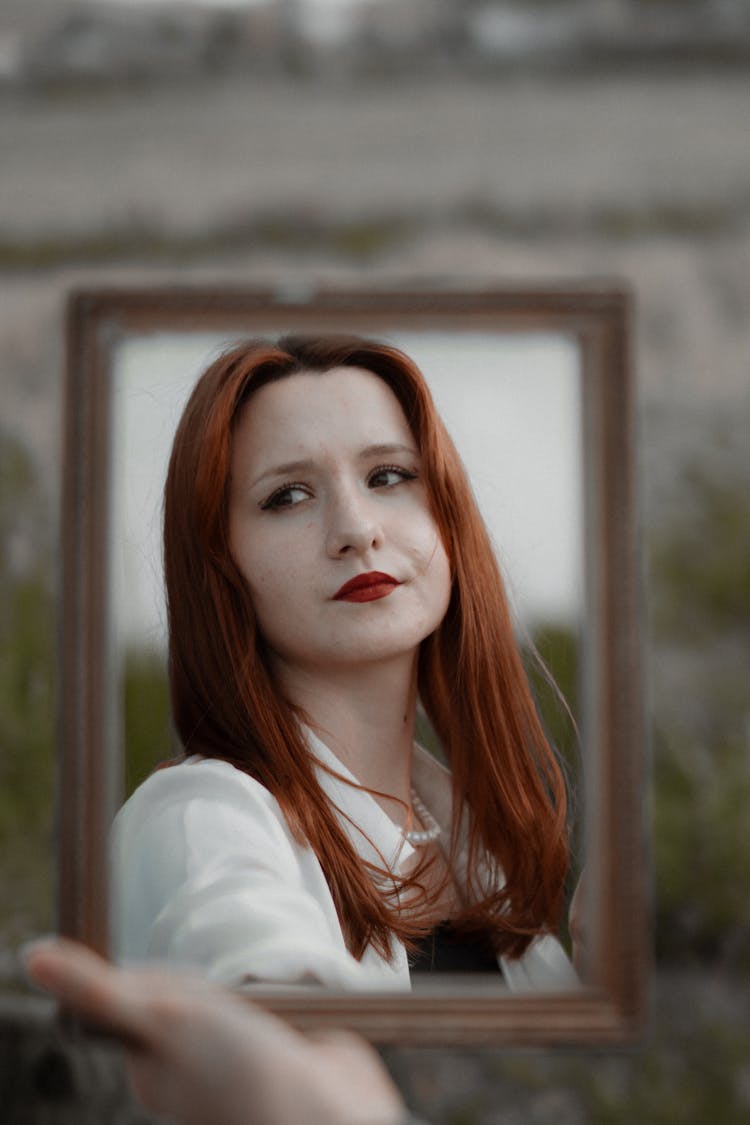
341, 406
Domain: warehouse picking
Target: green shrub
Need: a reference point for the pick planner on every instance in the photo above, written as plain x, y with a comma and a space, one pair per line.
27, 698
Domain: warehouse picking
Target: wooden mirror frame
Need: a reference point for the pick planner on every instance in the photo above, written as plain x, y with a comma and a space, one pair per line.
599, 318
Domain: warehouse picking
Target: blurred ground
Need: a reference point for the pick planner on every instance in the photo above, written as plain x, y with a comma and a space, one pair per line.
549, 154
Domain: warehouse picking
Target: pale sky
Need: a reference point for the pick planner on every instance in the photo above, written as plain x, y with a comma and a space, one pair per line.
511, 404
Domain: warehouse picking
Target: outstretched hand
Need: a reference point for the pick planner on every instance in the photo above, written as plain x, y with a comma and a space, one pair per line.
203, 1056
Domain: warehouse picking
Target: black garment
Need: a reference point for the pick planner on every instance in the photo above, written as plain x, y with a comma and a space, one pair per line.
443, 951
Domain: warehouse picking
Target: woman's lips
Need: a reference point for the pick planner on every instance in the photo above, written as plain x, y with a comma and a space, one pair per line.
367, 587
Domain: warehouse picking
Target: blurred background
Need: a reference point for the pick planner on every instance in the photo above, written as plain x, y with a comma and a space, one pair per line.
359, 141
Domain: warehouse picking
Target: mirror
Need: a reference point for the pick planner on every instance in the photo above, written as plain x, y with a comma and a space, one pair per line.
535, 388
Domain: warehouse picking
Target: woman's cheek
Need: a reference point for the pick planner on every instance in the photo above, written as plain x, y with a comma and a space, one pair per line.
427, 543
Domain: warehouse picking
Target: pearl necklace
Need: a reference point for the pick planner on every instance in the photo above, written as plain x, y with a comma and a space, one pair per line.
431, 829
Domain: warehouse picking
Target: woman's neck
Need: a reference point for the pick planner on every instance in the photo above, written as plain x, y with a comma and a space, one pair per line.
365, 714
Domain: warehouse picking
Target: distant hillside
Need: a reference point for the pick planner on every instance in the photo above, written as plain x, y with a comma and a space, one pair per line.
51, 42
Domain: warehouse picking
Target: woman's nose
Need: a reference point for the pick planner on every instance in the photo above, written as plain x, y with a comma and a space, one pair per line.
353, 528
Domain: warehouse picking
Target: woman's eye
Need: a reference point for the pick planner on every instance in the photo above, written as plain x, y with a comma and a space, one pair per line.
288, 496
387, 475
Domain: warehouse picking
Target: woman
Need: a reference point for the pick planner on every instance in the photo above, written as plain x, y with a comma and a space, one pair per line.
326, 567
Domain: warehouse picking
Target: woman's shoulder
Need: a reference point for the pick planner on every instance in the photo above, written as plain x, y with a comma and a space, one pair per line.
210, 783
197, 774
197, 816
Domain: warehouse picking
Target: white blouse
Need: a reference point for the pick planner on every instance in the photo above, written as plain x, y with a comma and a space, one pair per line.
206, 874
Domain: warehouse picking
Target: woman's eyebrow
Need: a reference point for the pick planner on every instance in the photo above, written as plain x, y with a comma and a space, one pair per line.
387, 448
288, 468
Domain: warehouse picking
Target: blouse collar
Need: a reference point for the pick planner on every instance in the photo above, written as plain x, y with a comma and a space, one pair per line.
373, 834
371, 831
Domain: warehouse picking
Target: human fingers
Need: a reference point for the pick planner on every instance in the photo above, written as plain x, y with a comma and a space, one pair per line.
82, 981
117, 1000
193, 1052
198, 1053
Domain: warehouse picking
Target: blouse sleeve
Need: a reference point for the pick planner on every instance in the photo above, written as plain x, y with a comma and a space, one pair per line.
206, 874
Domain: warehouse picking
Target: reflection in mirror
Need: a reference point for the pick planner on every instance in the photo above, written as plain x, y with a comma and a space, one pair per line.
512, 405
515, 406
534, 387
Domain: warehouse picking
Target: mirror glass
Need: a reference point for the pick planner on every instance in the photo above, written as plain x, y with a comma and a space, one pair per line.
512, 404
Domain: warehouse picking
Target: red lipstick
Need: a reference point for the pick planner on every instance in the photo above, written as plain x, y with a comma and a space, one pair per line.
367, 587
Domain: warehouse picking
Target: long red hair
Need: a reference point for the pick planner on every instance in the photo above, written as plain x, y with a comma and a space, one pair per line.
472, 682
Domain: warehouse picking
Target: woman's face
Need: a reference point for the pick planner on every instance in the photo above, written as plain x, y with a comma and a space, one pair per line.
330, 523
